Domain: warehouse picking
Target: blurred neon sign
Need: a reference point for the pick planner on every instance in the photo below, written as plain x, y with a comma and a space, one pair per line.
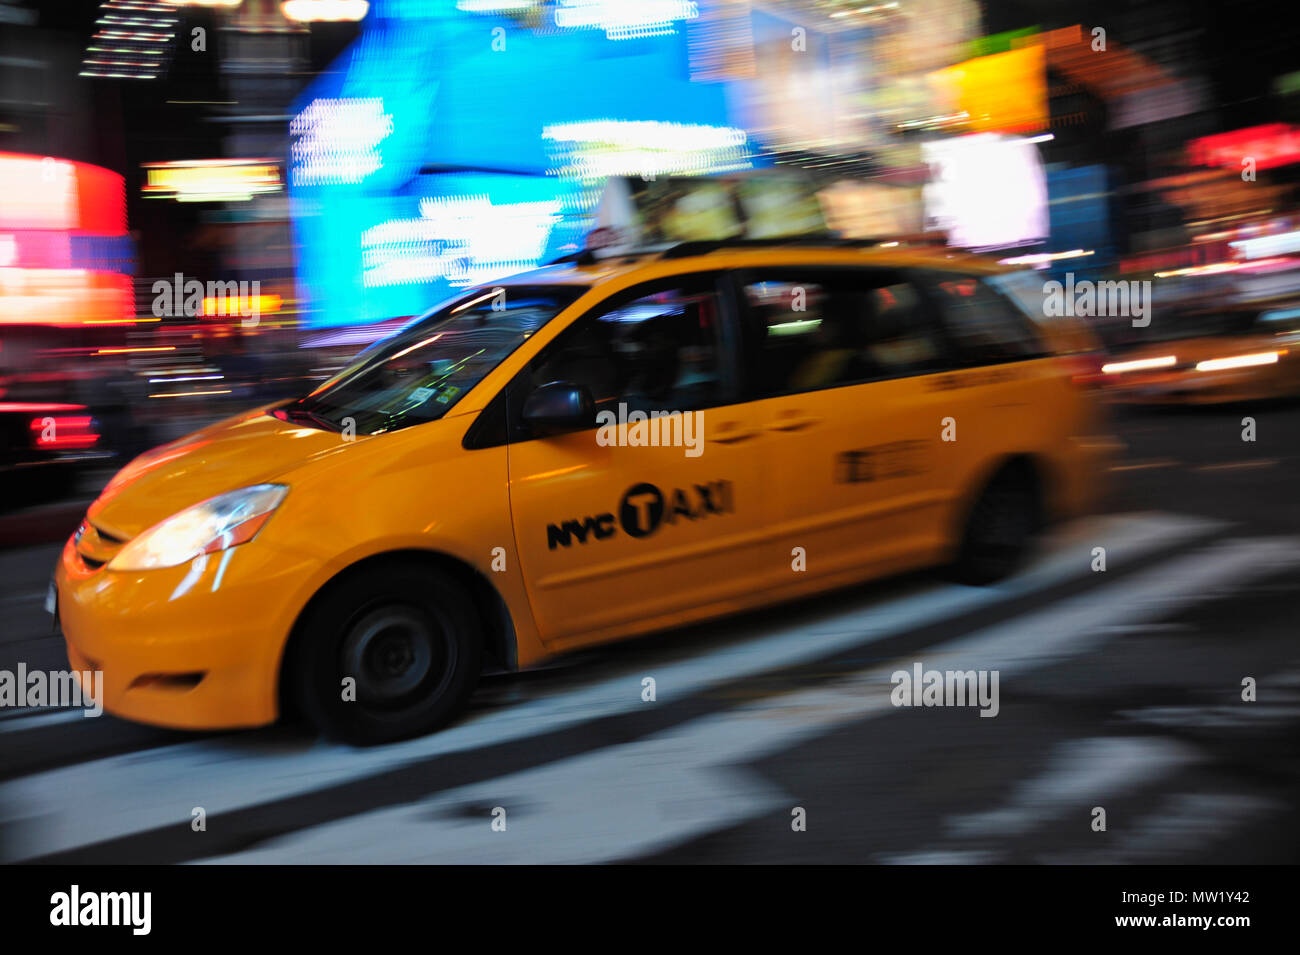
41, 192
338, 140
64, 254
625, 19
1271, 145
131, 40
594, 150
986, 191
304, 11
211, 180
1001, 92
64, 432
1267, 245
421, 109
463, 240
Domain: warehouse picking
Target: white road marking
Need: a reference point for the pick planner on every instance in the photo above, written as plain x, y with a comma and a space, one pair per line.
1088, 770
38, 719
625, 801
1182, 825
1079, 774
34, 596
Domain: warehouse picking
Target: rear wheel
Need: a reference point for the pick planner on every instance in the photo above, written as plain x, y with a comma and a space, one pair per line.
999, 528
387, 653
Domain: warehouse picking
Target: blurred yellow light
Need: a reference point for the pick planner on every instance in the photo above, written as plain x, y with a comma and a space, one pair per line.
232, 305
127, 351
208, 180
188, 394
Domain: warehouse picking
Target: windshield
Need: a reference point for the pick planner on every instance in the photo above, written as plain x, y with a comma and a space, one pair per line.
418, 374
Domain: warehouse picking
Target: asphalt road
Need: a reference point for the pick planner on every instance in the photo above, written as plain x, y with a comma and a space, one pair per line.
1118, 691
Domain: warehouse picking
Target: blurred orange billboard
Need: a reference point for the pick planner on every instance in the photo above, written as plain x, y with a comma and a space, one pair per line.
1003, 92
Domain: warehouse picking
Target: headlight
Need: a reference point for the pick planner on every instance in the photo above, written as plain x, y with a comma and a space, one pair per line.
212, 525
1239, 361
1140, 364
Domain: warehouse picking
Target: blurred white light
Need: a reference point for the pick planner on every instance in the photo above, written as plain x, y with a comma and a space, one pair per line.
1238, 361
1267, 245
986, 191
464, 240
495, 6
331, 10
625, 19
338, 140
1140, 364
598, 149
1042, 258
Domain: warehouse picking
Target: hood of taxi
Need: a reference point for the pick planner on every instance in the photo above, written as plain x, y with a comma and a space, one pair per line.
252, 448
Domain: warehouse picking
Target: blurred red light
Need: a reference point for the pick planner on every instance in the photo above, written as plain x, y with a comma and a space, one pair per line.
64, 433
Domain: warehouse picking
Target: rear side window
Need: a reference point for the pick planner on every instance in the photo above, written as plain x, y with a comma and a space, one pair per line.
983, 326
820, 328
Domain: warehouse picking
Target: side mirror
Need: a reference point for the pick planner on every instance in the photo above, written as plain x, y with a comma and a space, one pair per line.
559, 407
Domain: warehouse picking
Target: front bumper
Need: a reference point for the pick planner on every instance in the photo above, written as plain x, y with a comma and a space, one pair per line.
190, 647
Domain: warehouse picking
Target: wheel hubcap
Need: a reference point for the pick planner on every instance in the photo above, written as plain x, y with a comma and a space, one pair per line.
391, 653
1004, 524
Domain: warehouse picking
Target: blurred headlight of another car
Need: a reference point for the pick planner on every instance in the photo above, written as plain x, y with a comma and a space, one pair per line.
1138, 364
1240, 361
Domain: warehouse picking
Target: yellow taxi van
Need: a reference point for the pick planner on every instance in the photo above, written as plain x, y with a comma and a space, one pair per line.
1208, 355
571, 456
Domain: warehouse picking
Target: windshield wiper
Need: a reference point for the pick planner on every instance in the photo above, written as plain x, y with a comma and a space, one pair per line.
302, 416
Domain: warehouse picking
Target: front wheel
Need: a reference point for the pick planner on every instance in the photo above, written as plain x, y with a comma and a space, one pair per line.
999, 529
387, 653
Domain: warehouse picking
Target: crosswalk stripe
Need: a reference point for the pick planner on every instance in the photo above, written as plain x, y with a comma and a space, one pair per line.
115, 796
1181, 825
625, 801
39, 719
1091, 770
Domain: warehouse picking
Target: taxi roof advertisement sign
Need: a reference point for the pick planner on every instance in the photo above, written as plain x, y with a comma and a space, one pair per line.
637, 214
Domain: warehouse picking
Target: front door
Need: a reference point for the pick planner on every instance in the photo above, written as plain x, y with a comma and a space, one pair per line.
652, 511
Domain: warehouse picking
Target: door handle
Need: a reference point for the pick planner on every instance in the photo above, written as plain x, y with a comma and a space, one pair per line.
732, 432
794, 421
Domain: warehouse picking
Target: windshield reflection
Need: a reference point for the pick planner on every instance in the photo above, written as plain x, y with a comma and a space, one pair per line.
421, 372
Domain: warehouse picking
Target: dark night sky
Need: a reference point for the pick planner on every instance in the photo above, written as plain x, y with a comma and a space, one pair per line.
1239, 46
141, 120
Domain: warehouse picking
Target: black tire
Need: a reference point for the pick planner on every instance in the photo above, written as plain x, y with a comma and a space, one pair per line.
999, 528
409, 638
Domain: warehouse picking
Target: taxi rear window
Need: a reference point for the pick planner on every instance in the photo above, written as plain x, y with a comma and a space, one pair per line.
830, 328
985, 328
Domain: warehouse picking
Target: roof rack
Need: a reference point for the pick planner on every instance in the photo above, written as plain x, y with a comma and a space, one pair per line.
580, 257
682, 250
702, 247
